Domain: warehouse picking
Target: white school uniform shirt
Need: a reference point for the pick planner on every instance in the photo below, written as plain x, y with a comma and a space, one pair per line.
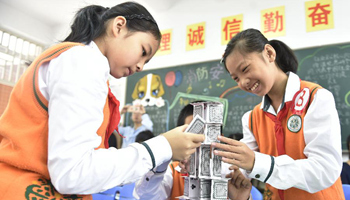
75, 85
155, 186
322, 136
130, 133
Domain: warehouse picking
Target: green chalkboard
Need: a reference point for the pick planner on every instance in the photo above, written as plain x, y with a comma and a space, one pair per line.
177, 86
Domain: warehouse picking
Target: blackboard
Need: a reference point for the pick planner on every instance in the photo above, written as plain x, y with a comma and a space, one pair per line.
327, 65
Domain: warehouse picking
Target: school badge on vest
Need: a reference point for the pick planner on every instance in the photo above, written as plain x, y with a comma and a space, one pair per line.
294, 123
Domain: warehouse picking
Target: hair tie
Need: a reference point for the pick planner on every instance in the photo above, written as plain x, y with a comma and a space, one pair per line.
140, 16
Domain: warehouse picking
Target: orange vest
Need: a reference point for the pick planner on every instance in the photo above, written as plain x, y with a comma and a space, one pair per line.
178, 182
24, 128
264, 132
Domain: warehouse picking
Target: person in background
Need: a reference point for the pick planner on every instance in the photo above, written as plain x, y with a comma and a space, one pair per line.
141, 121
345, 173
143, 136
61, 112
236, 136
166, 181
292, 138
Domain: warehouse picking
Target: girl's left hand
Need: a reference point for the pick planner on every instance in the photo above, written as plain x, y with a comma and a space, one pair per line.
235, 153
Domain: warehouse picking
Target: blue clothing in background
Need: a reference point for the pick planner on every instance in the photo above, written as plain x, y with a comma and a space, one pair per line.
345, 173
130, 133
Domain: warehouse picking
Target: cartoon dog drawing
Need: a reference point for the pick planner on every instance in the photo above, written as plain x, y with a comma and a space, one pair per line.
148, 91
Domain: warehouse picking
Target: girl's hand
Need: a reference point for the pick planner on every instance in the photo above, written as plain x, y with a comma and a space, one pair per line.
239, 186
235, 153
183, 144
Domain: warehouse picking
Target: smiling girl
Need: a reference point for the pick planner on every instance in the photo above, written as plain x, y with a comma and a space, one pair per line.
292, 138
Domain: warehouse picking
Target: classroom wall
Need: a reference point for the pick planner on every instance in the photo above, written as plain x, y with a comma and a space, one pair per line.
22, 24
184, 13
189, 12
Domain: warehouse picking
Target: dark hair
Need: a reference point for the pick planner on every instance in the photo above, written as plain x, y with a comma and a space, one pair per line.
185, 112
252, 40
90, 22
236, 136
143, 136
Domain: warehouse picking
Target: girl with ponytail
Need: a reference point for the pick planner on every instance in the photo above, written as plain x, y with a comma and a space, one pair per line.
54, 132
292, 138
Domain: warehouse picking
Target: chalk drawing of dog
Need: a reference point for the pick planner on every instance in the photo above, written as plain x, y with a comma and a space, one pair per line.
148, 91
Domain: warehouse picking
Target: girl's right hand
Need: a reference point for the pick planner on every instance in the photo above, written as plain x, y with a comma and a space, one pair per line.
183, 144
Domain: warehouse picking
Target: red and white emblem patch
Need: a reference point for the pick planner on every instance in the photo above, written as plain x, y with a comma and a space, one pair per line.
300, 100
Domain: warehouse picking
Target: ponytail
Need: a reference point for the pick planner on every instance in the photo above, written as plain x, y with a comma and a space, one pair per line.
285, 57
91, 22
88, 24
